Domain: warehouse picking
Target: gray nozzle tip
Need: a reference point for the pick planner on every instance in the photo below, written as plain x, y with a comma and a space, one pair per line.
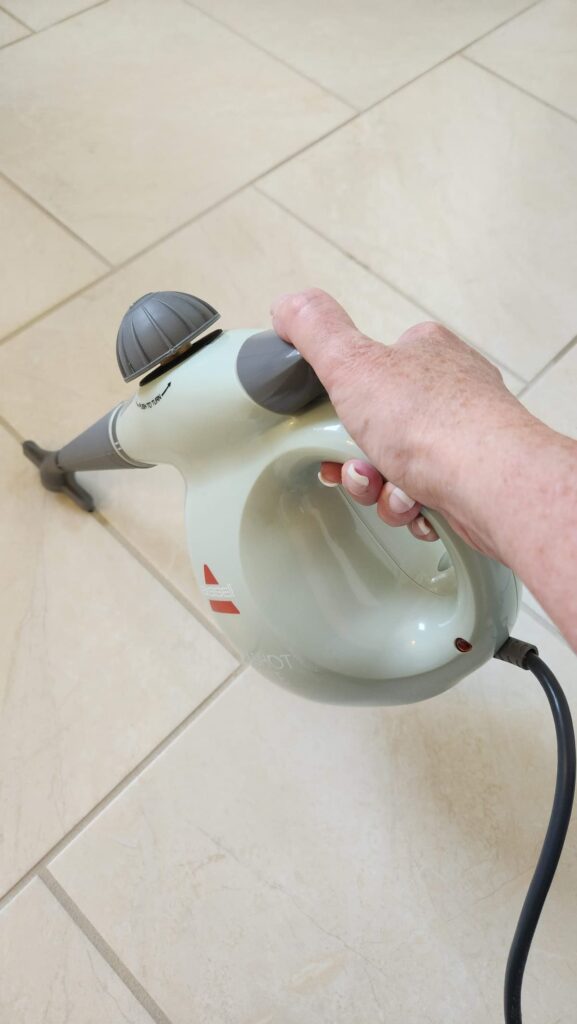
56, 479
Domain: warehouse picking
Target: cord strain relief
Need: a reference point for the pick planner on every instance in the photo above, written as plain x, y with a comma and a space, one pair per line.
515, 652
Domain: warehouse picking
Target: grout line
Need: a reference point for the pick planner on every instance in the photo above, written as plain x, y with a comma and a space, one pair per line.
381, 99
10, 429
275, 56
158, 241
53, 24
75, 14
342, 99
120, 787
544, 369
103, 948
234, 192
394, 287
56, 306
519, 88
19, 20
14, 42
501, 24
48, 213
40, 31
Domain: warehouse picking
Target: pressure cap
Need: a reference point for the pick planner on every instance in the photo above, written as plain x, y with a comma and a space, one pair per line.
157, 325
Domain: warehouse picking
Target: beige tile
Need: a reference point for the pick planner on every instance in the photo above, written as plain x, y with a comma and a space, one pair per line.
530, 601
40, 264
10, 30
537, 51
459, 190
553, 397
97, 664
511, 380
352, 864
361, 51
134, 116
61, 374
52, 973
40, 13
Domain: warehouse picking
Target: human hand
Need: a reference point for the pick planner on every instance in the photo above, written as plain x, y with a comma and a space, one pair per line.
429, 412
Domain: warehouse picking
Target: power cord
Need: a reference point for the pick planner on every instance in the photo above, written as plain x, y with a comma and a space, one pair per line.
526, 656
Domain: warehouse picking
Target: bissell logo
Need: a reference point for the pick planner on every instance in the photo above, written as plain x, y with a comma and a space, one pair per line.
220, 595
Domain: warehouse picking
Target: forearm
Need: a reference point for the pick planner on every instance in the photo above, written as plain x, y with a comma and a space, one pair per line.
522, 501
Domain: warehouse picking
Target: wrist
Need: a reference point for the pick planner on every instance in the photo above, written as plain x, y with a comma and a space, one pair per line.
494, 480
518, 506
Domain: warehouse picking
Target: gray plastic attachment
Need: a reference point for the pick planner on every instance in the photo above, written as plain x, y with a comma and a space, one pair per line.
156, 327
96, 448
54, 478
275, 375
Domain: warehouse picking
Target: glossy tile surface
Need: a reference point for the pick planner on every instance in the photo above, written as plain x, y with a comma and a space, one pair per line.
537, 51
138, 114
338, 866
445, 190
40, 263
97, 664
362, 51
52, 974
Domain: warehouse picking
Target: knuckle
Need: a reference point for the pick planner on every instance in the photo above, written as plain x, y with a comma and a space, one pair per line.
304, 301
428, 331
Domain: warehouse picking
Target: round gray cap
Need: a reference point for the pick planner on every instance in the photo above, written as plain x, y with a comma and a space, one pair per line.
157, 325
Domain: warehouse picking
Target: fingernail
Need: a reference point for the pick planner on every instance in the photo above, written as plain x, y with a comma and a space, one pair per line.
327, 483
359, 480
400, 502
422, 525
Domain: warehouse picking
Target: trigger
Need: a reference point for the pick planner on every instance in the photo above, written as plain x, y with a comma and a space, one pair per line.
275, 375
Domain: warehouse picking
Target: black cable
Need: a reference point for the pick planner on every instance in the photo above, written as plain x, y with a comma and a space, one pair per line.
526, 656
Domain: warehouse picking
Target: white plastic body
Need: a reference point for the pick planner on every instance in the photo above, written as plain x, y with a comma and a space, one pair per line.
331, 602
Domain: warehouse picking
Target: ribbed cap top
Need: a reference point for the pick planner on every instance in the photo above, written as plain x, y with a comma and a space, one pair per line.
157, 325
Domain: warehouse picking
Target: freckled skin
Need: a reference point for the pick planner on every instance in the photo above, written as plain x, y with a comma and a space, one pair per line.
435, 419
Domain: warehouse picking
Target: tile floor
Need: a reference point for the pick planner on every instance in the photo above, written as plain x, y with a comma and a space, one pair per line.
181, 841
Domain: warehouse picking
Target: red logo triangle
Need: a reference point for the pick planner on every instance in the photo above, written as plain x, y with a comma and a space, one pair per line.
224, 607
209, 577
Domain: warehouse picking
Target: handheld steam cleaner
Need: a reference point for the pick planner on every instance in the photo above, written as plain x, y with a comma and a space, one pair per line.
366, 613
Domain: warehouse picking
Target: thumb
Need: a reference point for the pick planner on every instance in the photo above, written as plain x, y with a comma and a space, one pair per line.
318, 326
